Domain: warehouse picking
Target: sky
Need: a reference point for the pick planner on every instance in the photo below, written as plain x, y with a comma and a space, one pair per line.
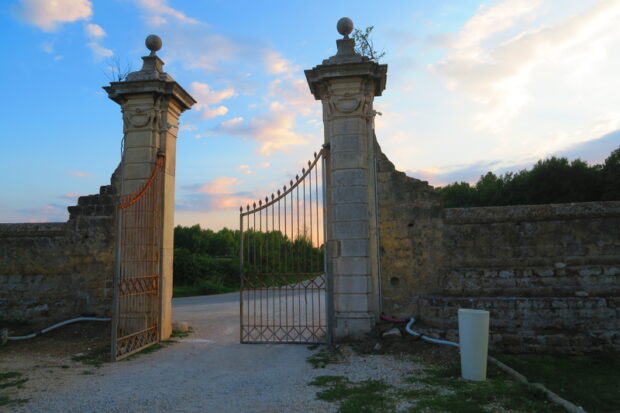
472, 86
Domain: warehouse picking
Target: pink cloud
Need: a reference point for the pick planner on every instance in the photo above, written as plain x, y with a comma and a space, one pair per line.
206, 97
218, 186
276, 64
230, 202
70, 196
274, 130
213, 113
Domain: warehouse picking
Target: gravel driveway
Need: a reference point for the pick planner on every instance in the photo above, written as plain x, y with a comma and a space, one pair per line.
209, 371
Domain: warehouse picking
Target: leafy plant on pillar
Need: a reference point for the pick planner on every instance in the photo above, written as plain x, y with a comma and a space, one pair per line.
364, 44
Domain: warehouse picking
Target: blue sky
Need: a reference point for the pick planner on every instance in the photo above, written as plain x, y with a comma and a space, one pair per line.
472, 86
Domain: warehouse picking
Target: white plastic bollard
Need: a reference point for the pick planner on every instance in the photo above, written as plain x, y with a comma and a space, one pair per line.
474, 343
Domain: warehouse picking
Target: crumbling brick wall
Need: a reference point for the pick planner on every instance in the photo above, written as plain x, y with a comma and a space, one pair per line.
51, 272
548, 274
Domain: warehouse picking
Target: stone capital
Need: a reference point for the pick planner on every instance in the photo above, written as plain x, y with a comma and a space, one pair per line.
320, 76
120, 91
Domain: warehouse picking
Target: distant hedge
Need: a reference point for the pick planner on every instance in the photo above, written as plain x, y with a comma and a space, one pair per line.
552, 180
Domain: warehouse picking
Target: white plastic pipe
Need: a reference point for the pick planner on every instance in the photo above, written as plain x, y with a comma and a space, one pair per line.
474, 343
45, 330
427, 338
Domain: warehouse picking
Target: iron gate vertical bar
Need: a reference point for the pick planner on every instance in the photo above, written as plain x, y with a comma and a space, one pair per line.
329, 302
116, 283
241, 275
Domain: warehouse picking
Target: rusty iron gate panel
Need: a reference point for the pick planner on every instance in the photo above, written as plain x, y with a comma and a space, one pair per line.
137, 303
283, 281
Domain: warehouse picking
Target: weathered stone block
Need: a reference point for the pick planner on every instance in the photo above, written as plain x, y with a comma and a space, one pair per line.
348, 126
349, 177
347, 143
351, 303
354, 248
351, 266
351, 212
352, 284
350, 195
351, 230
348, 160
348, 327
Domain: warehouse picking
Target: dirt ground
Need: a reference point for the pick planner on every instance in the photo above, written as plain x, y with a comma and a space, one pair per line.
53, 360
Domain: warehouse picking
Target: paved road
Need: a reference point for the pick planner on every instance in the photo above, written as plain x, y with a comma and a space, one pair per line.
209, 371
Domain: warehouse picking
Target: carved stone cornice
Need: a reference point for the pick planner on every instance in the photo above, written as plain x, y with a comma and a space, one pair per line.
318, 75
118, 91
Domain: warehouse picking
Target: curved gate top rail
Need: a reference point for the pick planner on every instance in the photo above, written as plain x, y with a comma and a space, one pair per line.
285, 191
283, 283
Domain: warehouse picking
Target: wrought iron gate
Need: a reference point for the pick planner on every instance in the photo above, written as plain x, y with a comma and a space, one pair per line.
283, 281
137, 303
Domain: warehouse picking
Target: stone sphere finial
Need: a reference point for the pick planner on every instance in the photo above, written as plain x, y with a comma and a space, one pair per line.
153, 43
345, 27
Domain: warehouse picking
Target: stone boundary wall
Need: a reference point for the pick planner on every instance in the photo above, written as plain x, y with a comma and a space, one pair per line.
51, 272
548, 274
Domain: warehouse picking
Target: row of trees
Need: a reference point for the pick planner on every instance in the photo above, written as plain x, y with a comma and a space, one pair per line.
553, 180
208, 261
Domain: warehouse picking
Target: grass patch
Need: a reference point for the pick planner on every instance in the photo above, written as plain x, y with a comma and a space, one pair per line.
591, 381
95, 357
11, 379
87, 373
9, 375
438, 390
445, 391
368, 396
323, 357
8, 380
7, 401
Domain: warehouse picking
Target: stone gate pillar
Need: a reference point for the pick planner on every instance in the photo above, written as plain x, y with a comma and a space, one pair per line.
346, 84
151, 103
